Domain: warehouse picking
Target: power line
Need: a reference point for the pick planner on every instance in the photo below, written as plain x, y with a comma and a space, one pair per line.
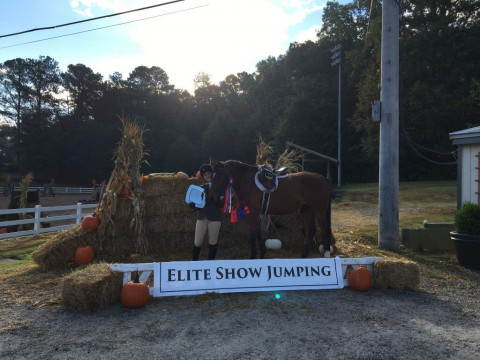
103, 27
92, 19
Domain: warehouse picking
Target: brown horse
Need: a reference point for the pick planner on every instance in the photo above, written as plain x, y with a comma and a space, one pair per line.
305, 191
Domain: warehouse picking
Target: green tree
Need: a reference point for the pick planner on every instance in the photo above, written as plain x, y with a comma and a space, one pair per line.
85, 89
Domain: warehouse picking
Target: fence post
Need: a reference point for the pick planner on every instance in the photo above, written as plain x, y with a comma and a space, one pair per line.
36, 224
79, 213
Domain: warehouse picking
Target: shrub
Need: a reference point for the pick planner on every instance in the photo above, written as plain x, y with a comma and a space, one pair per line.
467, 219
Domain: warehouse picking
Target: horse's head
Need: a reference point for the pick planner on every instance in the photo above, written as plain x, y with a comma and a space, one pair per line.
219, 177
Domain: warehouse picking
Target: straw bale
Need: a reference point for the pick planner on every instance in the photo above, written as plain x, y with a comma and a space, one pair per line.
173, 204
124, 209
58, 252
396, 274
159, 242
157, 224
154, 186
118, 247
91, 288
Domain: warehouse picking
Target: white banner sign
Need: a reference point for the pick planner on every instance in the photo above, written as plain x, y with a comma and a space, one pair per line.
225, 276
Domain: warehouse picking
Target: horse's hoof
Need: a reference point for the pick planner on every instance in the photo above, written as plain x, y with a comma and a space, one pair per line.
322, 250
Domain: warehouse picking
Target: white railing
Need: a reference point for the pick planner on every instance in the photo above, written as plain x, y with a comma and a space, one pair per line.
146, 270
58, 189
37, 219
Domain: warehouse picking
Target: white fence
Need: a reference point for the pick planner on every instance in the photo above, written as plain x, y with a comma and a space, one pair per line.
39, 222
146, 270
58, 189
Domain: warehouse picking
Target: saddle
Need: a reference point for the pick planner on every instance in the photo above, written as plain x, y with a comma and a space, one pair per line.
266, 178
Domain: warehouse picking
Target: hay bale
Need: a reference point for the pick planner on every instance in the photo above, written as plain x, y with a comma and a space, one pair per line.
155, 186
173, 204
58, 252
91, 288
396, 274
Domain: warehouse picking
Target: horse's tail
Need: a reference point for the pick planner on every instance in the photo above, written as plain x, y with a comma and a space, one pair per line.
329, 217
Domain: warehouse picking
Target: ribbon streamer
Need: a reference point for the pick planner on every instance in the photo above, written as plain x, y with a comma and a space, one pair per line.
234, 215
227, 206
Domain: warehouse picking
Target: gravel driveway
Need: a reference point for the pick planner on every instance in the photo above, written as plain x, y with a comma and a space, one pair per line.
322, 324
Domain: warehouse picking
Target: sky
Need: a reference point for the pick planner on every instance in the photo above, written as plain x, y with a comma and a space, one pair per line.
217, 37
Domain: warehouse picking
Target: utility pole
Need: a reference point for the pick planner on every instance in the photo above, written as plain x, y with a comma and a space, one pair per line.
388, 237
337, 60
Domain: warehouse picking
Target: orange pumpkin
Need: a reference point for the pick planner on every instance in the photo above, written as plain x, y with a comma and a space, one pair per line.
126, 189
181, 175
3, 230
90, 223
360, 279
142, 179
134, 293
84, 255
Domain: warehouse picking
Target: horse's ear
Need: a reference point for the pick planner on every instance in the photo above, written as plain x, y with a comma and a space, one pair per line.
217, 164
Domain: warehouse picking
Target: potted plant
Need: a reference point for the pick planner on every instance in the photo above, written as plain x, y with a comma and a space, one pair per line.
467, 235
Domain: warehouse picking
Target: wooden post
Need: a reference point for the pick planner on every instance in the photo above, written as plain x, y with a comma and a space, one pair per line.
388, 218
79, 213
36, 224
478, 178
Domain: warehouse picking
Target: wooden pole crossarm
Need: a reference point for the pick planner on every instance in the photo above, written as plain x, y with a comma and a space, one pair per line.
335, 161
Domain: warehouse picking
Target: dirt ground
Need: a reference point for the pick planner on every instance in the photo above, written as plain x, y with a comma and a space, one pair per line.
439, 321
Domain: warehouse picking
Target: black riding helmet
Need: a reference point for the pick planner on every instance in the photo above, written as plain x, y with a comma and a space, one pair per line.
205, 168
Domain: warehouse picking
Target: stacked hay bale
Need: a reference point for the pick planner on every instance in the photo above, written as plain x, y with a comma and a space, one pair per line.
170, 223
91, 288
58, 252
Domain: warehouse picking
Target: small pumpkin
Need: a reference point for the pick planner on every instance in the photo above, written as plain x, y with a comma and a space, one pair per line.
3, 230
181, 175
90, 222
84, 255
142, 179
360, 279
134, 293
126, 191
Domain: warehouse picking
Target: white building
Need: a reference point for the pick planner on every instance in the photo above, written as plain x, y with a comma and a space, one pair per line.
468, 174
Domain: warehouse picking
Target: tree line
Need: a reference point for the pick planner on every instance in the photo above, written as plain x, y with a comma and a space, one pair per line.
65, 125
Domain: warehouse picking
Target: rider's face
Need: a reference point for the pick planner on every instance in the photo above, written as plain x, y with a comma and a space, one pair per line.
208, 176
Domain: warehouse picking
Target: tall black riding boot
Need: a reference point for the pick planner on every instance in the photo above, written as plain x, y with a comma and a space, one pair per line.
212, 251
196, 252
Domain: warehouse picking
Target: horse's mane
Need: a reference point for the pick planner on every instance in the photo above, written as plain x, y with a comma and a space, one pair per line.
239, 165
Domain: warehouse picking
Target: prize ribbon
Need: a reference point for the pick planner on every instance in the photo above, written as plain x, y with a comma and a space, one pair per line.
227, 207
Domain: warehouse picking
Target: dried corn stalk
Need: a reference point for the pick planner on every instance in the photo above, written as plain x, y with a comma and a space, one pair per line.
264, 152
128, 159
290, 160
24, 185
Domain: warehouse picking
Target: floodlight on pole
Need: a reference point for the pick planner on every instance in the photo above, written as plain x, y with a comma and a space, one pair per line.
337, 60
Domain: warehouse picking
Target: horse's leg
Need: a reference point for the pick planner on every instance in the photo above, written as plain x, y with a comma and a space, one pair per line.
324, 220
309, 224
253, 244
261, 242
254, 224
